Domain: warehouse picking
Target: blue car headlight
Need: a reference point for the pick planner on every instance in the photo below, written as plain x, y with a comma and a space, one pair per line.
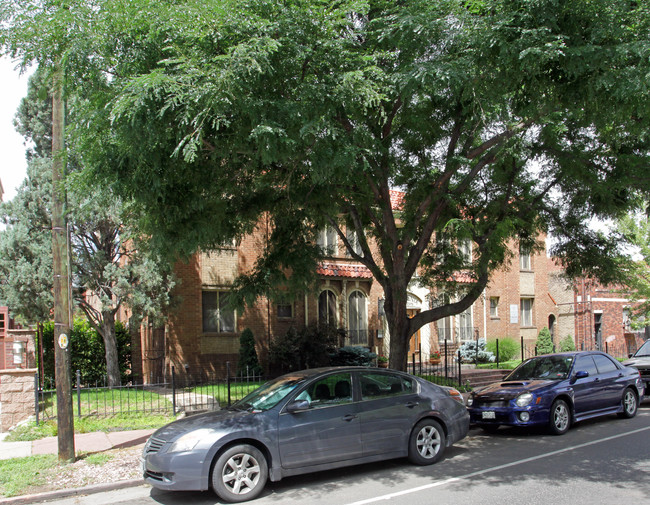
524, 399
189, 441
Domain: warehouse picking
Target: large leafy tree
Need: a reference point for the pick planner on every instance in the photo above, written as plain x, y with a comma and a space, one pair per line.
112, 267
636, 227
497, 119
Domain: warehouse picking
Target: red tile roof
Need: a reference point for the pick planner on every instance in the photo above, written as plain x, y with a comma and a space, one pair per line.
396, 199
341, 270
463, 278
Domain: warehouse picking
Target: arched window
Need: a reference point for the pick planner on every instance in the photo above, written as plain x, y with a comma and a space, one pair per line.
358, 318
327, 308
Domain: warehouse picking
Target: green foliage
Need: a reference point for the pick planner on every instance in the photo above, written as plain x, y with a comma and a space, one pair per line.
508, 348
227, 112
308, 348
567, 344
544, 343
87, 352
18, 475
353, 356
248, 362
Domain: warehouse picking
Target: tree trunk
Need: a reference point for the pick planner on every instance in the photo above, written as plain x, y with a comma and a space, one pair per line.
110, 346
399, 327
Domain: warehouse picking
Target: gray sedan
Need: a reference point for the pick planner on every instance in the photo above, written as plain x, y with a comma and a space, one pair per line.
305, 422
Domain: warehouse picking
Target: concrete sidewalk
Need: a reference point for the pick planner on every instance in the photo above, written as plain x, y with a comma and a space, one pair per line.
84, 442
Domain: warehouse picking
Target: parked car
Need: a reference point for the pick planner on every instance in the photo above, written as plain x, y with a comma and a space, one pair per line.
305, 422
557, 390
641, 361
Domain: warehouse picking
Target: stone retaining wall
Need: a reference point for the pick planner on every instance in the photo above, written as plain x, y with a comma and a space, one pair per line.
16, 396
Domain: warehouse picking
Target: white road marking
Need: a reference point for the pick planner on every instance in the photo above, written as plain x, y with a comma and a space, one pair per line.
494, 468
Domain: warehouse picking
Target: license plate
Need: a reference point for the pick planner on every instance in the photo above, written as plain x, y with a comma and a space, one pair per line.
488, 415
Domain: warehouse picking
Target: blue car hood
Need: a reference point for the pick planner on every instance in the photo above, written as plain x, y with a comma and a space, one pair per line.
507, 390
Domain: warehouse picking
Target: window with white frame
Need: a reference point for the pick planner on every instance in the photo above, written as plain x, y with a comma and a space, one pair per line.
465, 324
284, 308
526, 312
494, 307
218, 316
353, 239
327, 240
444, 325
524, 258
327, 308
465, 250
358, 318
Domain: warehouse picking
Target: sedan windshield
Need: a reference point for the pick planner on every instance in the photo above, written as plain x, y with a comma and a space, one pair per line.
543, 367
644, 350
268, 395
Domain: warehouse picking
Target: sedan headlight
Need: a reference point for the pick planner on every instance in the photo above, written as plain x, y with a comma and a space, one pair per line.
470, 400
189, 441
524, 399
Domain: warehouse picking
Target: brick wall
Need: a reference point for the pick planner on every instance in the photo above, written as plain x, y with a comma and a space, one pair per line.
16, 397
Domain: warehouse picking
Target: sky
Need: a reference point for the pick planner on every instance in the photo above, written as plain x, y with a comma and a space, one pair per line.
13, 165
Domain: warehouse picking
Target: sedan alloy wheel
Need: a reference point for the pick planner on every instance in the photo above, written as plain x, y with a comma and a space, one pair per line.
427, 442
240, 473
560, 418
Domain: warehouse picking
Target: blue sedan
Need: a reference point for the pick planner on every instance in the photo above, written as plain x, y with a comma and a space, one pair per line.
557, 390
303, 422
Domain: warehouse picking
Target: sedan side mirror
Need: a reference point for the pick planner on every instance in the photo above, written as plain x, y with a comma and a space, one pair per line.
582, 374
297, 406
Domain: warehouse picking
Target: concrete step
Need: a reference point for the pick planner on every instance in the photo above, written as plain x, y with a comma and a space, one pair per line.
479, 378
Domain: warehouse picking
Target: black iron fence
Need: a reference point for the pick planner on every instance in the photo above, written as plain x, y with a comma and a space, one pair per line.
178, 394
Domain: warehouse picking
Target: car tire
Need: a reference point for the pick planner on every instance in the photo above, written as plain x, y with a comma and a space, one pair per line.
559, 418
239, 473
630, 404
427, 442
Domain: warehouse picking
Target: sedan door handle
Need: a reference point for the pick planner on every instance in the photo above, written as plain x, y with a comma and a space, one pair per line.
349, 417
410, 405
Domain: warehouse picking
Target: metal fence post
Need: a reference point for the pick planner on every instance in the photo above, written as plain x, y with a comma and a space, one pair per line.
173, 390
36, 409
446, 357
460, 373
522, 348
78, 393
497, 353
228, 380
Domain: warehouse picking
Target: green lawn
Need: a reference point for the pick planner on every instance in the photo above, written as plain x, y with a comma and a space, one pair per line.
118, 401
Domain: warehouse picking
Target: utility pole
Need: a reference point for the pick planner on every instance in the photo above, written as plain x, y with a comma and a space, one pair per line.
61, 268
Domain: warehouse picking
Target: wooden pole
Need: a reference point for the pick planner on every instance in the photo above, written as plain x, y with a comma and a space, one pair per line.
61, 269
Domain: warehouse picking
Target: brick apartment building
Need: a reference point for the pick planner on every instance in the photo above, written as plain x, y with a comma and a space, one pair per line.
602, 319
202, 335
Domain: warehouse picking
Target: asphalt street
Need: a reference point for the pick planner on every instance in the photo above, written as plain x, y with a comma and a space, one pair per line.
602, 461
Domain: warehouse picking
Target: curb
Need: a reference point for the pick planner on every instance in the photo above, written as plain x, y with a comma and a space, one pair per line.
66, 493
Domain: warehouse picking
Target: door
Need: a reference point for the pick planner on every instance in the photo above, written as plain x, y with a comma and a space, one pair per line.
328, 431
588, 390
414, 342
610, 380
388, 410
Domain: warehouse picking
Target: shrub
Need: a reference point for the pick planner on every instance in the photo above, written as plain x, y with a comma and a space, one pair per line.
508, 348
567, 344
87, 351
353, 356
469, 354
544, 342
309, 348
248, 362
